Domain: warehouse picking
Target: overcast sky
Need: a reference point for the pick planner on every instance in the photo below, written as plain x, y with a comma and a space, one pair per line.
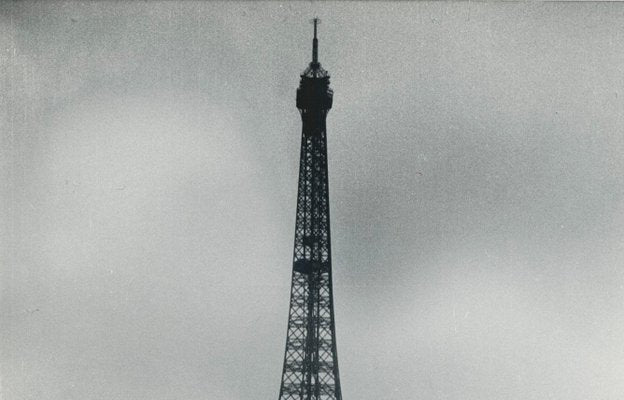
150, 154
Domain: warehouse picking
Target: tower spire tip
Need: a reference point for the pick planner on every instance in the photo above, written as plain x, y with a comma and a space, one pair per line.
316, 21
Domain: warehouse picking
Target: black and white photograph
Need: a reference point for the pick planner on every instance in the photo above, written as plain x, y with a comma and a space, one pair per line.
169, 168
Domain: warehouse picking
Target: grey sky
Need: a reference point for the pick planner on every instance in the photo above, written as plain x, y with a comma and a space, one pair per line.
476, 157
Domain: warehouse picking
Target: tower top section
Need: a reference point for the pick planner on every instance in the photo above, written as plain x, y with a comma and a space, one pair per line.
315, 70
314, 94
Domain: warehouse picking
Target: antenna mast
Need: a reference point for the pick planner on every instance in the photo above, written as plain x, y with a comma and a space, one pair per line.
316, 21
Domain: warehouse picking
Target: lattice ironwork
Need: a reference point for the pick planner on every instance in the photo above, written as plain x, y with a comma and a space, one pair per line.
310, 360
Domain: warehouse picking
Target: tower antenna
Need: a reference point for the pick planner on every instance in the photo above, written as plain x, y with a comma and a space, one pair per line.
315, 21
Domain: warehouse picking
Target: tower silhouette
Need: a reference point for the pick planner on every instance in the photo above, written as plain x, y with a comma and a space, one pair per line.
310, 360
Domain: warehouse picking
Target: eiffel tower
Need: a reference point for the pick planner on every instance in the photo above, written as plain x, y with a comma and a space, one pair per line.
310, 360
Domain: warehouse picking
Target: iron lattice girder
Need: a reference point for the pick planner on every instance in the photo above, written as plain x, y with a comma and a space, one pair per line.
310, 369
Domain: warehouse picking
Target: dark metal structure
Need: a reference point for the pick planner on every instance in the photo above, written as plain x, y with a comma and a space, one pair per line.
310, 361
